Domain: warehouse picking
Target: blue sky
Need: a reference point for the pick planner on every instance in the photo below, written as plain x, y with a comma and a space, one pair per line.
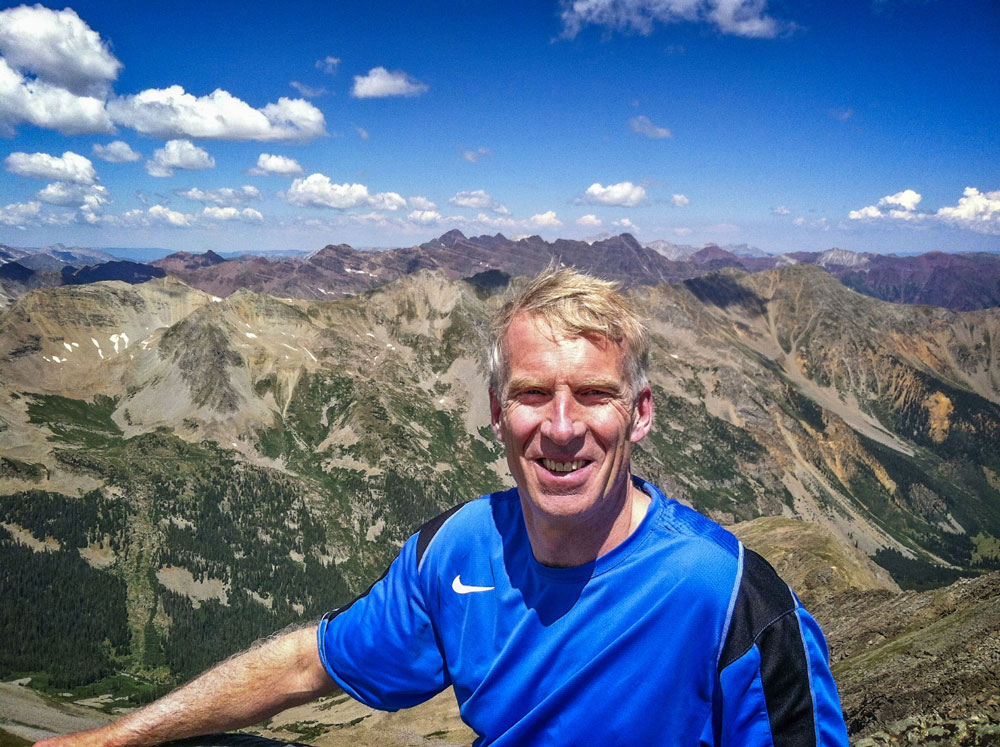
870, 126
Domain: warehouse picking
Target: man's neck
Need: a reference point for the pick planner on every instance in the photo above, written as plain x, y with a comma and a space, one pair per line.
568, 543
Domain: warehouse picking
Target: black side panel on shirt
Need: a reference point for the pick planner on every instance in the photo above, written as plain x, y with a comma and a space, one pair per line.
426, 534
765, 615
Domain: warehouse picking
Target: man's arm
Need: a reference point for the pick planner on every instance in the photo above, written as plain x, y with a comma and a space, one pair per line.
283, 672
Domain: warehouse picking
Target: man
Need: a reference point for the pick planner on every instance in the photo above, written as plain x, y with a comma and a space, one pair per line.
581, 607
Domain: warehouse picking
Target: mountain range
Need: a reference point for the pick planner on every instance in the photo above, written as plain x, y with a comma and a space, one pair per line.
962, 282
189, 469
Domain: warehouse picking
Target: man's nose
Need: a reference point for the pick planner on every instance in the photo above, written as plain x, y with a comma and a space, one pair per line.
563, 423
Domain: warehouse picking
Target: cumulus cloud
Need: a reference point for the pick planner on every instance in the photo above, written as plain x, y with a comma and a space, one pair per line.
425, 217
379, 83
308, 91
781, 210
178, 154
46, 105
70, 167
328, 64
173, 113
248, 215
737, 17
626, 224
224, 196
680, 200
545, 220
474, 155
500, 222
478, 199
387, 201
589, 220
164, 215
117, 151
644, 126
907, 200
269, 164
623, 194
20, 214
900, 205
976, 210
57, 47
91, 196
418, 202
316, 190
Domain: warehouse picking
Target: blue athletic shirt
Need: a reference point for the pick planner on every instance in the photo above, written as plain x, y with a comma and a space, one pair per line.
677, 636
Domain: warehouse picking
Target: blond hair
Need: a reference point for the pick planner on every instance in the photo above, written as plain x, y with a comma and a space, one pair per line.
576, 304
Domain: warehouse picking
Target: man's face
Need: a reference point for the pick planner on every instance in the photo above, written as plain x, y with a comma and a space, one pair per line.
568, 423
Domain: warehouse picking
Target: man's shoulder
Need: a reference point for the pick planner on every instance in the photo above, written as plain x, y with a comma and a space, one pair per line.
680, 522
476, 518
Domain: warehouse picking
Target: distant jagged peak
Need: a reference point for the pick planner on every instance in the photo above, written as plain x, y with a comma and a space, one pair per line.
188, 260
711, 253
670, 250
842, 258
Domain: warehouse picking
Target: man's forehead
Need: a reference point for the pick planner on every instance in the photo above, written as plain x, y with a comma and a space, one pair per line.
553, 330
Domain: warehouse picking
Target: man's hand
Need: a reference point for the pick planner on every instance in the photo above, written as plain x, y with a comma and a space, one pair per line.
255, 685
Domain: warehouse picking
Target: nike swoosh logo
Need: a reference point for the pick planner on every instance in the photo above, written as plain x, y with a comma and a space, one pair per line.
459, 588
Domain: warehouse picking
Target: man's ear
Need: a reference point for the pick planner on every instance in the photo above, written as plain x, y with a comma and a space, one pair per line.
496, 413
642, 416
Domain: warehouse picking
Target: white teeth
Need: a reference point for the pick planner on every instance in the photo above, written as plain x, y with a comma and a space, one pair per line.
554, 466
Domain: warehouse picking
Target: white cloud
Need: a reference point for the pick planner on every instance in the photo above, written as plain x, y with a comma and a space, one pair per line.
163, 214
362, 133
478, 199
900, 206
70, 167
117, 151
623, 194
683, 231
626, 224
269, 164
502, 222
178, 154
47, 105
644, 126
425, 217
58, 47
328, 64
680, 200
802, 221
736, 17
173, 113
316, 190
224, 196
474, 155
67, 194
781, 210
907, 199
590, 220
975, 210
380, 83
419, 202
248, 215
20, 214
545, 220
387, 201
308, 91
54, 72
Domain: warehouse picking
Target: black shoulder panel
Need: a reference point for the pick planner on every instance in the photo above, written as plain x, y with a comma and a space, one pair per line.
426, 533
764, 615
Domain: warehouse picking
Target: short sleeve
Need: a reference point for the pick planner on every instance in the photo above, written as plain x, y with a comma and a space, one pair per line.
382, 648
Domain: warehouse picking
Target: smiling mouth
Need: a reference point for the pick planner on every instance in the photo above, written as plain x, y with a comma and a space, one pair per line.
563, 467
